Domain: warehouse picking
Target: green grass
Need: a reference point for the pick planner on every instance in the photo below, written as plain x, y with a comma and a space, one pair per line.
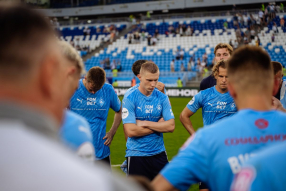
173, 141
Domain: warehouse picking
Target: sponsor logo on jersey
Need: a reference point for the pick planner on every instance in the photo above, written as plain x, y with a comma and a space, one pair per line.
261, 123
171, 112
192, 101
90, 101
148, 108
254, 140
101, 102
80, 100
233, 105
159, 107
210, 104
125, 113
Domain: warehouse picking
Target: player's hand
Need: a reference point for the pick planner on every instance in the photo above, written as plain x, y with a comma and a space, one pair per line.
160, 86
276, 104
109, 137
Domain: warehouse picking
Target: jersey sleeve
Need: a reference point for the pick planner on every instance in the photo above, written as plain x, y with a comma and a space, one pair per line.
115, 103
128, 111
167, 110
195, 103
190, 165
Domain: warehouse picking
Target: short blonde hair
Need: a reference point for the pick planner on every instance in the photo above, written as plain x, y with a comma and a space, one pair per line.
72, 55
215, 69
223, 45
250, 69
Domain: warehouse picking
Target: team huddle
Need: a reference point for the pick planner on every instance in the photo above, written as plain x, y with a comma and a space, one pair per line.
240, 147
242, 81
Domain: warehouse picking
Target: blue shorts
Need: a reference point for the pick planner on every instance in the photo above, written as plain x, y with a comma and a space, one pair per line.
147, 166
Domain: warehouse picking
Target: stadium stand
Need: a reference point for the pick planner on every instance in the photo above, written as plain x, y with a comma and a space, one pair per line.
97, 33
207, 32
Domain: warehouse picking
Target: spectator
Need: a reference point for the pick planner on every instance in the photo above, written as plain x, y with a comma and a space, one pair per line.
181, 31
102, 64
182, 53
274, 28
252, 33
282, 23
182, 67
98, 30
118, 63
178, 54
149, 40
188, 31
235, 44
156, 34
273, 37
143, 35
261, 15
107, 64
179, 82
225, 26
148, 15
257, 41
101, 43
230, 42
133, 82
115, 83
130, 39
281, 7
112, 36
113, 65
191, 64
114, 72
205, 58
154, 40
172, 65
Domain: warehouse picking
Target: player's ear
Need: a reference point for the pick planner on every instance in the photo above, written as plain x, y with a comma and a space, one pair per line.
276, 86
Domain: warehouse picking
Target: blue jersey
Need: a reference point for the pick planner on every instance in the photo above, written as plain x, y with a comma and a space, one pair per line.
214, 154
265, 171
75, 130
137, 106
94, 108
215, 105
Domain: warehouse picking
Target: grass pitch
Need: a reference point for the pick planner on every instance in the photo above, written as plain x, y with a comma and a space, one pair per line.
173, 141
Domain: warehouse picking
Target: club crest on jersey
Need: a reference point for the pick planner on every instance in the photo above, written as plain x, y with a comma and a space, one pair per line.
159, 107
101, 102
232, 105
192, 101
125, 113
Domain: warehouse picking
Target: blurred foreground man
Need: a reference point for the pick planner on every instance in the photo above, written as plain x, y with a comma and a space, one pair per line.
215, 153
32, 98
